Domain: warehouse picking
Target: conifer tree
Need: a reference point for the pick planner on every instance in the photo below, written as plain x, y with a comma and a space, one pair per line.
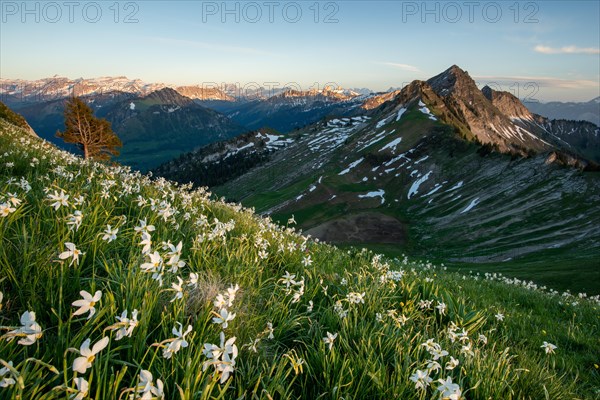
92, 135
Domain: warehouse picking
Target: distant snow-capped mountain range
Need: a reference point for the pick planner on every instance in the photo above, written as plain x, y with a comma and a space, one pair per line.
60, 87
18, 92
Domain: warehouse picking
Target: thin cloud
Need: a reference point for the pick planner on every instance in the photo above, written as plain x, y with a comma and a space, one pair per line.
405, 67
566, 50
540, 81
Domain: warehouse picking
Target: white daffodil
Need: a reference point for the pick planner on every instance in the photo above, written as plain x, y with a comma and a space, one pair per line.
220, 302
453, 363
463, 336
13, 199
231, 293
6, 209
226, 366
145, 385
548, 347
81, 364
125, 326
421, 379
430, 345
433, 366
7, 378
193, 282
165, 211
307, 261
72, 252
339, 309
441, 308
146, 389
158, 276
270, 330
83, 388
110, 234
330, 339
482, 339
223, 318
425, 304
59, 199
178, 288
87, 303
227, 299
29, 331
173, 250
74, 220
448, 389
222, 357
154, 264
141, 202
159, 390
79, 200
146, 242
356, 298
142, 227
178, 342
298, 294
175, 263
174, 258
467, 350
288, 279
438, 353
252, 345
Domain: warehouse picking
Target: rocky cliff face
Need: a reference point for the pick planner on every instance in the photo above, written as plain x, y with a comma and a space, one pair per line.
507, 103
202, 93
377, 100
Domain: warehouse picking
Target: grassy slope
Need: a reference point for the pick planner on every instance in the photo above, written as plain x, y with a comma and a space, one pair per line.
516, 198
371, 358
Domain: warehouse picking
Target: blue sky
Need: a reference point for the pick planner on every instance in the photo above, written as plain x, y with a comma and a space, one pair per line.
543, 50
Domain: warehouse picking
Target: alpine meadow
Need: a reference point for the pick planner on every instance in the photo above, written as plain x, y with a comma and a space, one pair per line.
336, 200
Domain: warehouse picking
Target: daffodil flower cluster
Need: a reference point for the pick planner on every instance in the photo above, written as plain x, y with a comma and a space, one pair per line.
292, 286
222, 357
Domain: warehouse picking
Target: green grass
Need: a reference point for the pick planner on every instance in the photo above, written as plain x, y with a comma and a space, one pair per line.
379, 342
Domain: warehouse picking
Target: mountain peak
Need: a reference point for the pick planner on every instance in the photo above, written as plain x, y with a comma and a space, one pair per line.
168, 95
455, 69
452, 79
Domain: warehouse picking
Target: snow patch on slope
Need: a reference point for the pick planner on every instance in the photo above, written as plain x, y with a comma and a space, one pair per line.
378, 193
426, 111
471, 205
415, 186
392, 145
352, 165
400, 112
